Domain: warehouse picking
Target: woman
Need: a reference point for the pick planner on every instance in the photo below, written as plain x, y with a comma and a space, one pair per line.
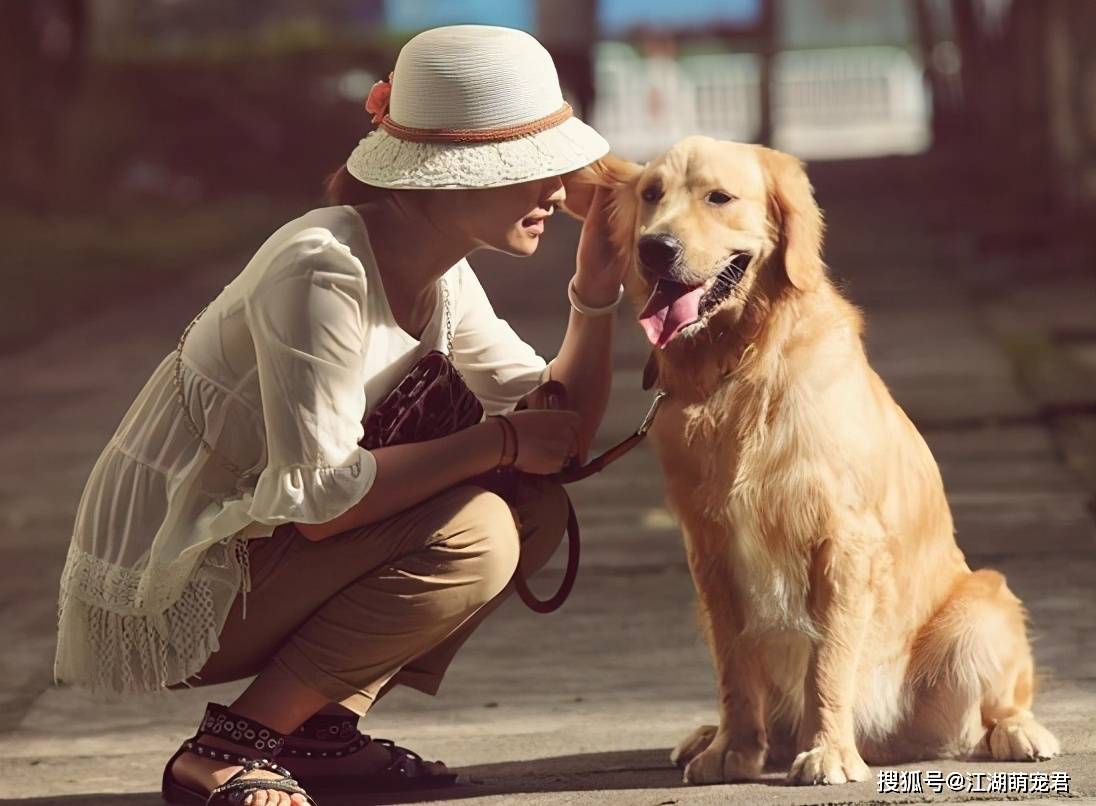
233, 526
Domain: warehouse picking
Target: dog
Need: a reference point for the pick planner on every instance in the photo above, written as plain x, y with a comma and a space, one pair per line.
844, 623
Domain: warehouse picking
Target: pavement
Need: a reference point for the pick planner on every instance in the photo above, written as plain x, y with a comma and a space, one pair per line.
989, 355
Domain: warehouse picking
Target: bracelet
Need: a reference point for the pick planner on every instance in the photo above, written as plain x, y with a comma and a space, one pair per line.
509, 453
505, 440
512, 434
586, 310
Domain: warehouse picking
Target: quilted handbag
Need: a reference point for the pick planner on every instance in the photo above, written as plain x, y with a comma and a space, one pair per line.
433, 401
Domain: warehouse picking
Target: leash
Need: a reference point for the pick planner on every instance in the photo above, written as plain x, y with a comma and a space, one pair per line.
570, 476
616, 452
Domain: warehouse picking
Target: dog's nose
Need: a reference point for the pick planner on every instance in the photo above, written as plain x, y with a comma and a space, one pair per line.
659, 252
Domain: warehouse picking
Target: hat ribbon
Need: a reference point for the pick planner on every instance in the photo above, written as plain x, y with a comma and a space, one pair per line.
377, 105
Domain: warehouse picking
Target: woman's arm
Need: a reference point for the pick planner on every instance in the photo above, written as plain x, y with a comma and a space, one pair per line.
584, 365
584, 362
401, 481
410, 473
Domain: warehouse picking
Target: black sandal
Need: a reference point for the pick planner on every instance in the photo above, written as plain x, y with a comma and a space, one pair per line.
249, 735
404, 772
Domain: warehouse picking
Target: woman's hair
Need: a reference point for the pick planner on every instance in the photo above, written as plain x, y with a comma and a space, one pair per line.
341, 187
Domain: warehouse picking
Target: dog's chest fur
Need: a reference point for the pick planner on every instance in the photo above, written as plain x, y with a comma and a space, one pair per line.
748, 536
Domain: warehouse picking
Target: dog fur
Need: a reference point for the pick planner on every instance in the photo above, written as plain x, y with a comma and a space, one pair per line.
844, 623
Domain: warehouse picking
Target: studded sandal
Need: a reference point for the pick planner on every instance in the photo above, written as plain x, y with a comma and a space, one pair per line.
260, 744
406, 770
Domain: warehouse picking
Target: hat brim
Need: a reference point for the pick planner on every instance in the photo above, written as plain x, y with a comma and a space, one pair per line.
382, 160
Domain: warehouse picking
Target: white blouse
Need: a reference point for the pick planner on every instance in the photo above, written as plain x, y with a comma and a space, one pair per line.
278, 374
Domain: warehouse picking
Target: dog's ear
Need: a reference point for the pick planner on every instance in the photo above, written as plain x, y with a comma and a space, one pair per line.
610, 171
793, 210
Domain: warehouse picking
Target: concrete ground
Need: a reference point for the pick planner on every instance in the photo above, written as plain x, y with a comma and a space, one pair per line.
581, 707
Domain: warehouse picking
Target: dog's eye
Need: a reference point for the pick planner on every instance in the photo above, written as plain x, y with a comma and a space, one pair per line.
719, 198
651, 193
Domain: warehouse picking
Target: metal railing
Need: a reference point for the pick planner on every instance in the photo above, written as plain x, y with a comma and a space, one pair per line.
847, 102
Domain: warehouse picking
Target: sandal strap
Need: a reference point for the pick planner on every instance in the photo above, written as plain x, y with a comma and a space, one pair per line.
216, 753
252, 784
239, 786
395, 748
328, 728
247, 733
346, 749
405, 761
252, 764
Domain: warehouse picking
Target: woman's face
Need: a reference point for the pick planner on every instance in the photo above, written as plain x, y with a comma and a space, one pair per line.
510, 219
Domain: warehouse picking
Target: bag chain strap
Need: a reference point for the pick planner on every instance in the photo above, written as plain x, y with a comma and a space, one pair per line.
448, 317
193, 426
448, 324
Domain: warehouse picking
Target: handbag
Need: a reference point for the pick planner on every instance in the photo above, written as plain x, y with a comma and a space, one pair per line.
433, 401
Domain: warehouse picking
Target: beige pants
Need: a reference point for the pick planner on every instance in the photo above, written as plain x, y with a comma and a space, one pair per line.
388, 603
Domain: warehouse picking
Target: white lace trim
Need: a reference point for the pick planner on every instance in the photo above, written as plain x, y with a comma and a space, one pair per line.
386, 161
110, 644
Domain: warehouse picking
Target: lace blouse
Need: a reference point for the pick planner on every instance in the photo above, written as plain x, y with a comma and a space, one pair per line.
278, 374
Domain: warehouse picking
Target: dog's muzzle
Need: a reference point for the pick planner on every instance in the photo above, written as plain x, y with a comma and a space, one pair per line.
659, 254
726, 281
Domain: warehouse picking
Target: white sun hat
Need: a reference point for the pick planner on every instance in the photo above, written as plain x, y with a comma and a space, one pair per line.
471, 106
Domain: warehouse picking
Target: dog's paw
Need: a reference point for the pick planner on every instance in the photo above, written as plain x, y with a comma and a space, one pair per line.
828, 764
1020, 738
692, 745
717, 765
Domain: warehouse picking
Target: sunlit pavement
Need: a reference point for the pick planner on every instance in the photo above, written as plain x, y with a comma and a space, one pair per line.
582, 706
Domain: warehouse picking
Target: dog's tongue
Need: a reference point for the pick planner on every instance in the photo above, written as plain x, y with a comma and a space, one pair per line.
671, 307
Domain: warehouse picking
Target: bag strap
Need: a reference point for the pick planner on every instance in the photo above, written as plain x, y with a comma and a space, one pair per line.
448, 314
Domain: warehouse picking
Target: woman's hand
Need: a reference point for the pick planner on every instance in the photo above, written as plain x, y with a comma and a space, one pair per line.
599, 265
547, 439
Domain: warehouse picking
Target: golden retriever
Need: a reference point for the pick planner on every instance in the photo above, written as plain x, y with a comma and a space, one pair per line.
843, 620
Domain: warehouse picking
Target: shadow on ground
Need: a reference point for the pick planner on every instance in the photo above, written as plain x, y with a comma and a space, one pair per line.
586, 772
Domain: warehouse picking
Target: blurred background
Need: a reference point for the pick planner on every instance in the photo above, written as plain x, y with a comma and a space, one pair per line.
149, 147
139, 136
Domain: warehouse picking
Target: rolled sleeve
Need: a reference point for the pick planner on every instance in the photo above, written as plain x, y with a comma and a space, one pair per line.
306, 323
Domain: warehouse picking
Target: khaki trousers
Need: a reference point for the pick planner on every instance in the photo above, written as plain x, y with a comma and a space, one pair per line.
387, 603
